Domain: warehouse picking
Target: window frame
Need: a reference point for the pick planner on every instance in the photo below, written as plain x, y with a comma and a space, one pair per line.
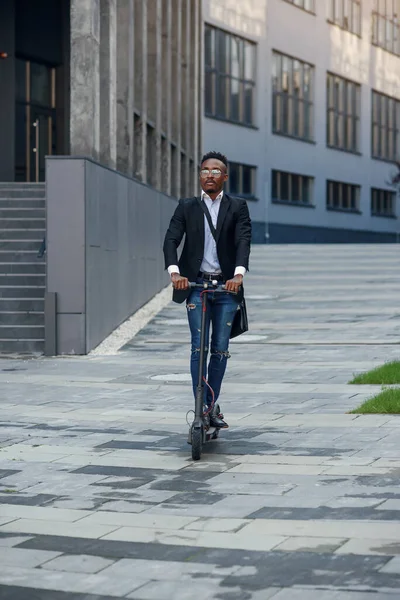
380, 127
287, 106
311, 11
383, 23
241, 194
351, 18
345, 189
275, 173
338, 115
385, 195
222, 72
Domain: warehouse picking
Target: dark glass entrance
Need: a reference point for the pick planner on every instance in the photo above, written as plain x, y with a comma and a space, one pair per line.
35, 116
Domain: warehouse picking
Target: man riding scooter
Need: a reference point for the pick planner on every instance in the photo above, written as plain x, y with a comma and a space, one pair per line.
217, 248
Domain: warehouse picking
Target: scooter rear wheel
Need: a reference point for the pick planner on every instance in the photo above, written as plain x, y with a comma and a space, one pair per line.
197, 443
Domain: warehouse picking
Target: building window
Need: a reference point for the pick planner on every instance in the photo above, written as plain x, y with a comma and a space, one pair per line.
242, 180
292, 84
383, 203
183, 191
192, 182
290, 188
308, 5
346, 14
174, 169
343, 119
385, 136
230, 73
342, 196
137, 148
151, 155
386, 25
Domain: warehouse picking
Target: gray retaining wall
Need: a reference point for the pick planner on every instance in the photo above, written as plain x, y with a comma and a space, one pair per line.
104, 249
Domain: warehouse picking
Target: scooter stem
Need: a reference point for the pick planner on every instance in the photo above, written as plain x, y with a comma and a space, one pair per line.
200, 383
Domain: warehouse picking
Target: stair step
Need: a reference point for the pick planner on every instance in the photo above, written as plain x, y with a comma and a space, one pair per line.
21, 318
24, 203
23, 213
23, 188
22, 332
17, 193
24, 304
22, 291
28, 347
20, 268
22, 185
15, 223
21, 256
21, 279
22, 273
22, 245
22, 234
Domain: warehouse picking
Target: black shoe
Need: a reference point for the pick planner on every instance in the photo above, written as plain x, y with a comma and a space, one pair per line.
217, 418
206, 421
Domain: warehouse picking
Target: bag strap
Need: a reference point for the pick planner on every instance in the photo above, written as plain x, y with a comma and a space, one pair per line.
208, 217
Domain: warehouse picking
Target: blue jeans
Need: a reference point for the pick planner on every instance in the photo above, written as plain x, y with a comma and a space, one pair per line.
221, 309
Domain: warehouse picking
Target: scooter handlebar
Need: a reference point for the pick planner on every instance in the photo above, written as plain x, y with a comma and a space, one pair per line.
210, 286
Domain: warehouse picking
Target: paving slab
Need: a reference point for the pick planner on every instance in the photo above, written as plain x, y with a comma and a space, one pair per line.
18, 557
99, 497
80, 563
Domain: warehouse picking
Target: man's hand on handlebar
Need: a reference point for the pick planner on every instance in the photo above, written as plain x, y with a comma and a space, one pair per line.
233, 285
179, 282
182, 283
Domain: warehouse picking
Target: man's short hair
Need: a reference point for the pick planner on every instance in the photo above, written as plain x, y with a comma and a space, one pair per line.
217, 156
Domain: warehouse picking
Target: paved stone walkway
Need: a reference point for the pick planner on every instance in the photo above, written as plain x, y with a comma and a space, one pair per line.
99, 498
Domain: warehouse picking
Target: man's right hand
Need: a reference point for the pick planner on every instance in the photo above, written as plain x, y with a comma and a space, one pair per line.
179, 282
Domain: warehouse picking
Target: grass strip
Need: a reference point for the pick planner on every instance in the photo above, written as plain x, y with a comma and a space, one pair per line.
385, 403
387, 374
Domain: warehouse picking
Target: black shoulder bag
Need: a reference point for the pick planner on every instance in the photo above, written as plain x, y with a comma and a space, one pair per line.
240, 322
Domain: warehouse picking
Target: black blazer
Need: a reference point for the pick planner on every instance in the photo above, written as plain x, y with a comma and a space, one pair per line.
233, 239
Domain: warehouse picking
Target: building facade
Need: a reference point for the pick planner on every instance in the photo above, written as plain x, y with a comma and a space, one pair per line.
304, 99
100, 131
114, 80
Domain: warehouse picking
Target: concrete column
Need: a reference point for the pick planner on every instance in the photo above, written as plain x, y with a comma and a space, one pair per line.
188, 110
85, 78
125, 85
143, 157
108, 83
152, 70
168, 90
159, 95
198, 88
184, 99
154, 92
137, 95
178, 100
63, 87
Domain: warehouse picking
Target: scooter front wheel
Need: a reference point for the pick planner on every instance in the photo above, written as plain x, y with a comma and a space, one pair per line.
197, 442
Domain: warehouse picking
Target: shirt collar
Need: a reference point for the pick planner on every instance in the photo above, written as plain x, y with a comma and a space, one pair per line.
206, 196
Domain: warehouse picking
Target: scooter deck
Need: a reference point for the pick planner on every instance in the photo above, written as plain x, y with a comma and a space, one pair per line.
212, 434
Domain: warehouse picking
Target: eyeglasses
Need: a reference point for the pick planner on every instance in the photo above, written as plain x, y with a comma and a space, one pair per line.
213, 172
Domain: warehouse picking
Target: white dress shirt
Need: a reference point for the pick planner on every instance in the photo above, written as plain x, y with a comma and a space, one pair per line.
210, 263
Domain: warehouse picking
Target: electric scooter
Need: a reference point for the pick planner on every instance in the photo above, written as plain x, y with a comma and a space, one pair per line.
200, 430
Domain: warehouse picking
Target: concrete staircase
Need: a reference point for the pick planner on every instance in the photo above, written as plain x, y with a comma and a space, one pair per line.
22, 273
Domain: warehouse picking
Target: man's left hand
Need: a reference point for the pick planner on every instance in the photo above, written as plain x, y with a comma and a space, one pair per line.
233, 285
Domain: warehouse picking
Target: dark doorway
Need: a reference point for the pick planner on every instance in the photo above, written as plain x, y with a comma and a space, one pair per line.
41, 84
35, 119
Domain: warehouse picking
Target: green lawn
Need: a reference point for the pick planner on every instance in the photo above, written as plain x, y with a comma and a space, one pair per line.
387, 374
386, 402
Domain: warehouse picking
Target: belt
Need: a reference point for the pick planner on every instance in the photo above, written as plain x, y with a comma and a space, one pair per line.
211, 276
